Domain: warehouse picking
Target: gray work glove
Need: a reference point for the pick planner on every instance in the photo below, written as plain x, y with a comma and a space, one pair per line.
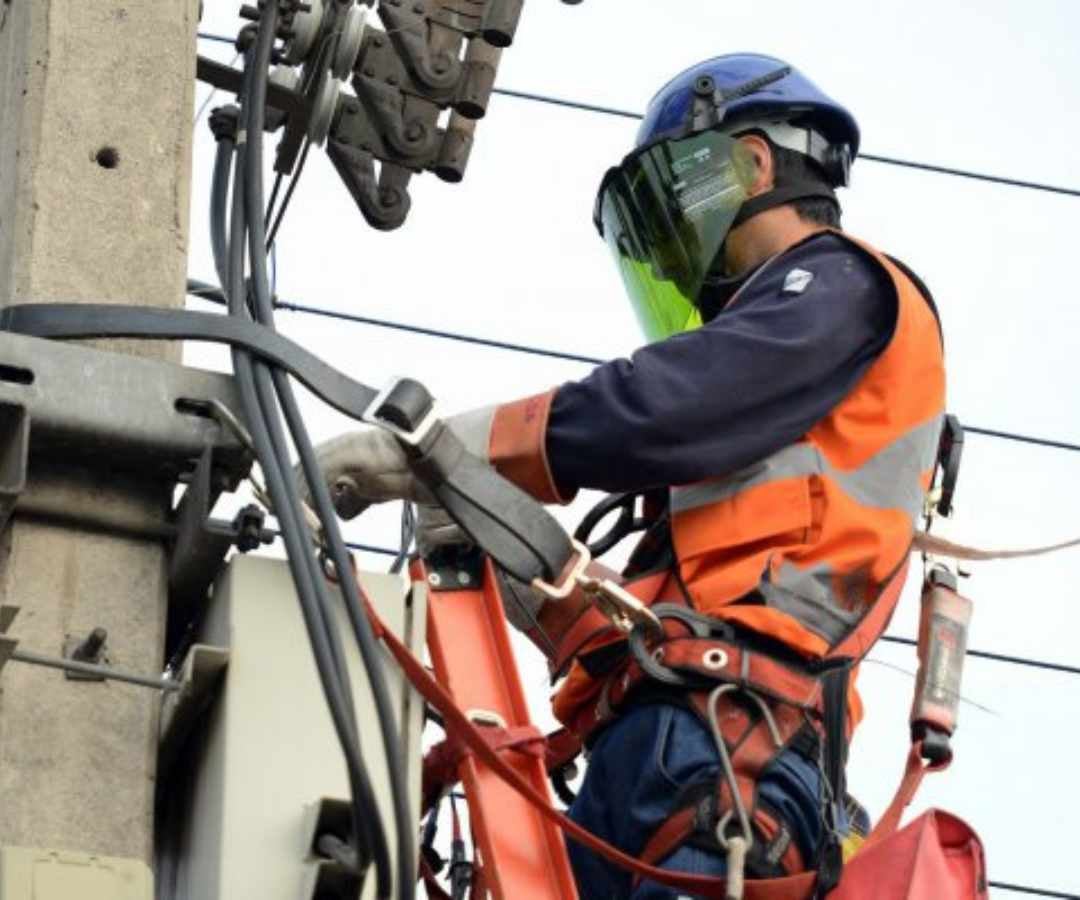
369, 466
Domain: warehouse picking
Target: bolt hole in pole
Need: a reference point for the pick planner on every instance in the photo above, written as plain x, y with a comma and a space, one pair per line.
107, 157
16, 375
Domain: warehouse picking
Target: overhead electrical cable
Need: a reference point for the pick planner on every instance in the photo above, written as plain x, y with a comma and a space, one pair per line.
872, 157
884, 160
1035, 892
996, 657
205, 291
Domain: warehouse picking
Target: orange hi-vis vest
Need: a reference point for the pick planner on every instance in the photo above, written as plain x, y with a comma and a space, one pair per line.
797, 546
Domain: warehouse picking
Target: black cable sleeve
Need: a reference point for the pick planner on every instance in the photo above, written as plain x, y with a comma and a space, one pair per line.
82, 320
365, 638
328, 663
367, 825
219, 191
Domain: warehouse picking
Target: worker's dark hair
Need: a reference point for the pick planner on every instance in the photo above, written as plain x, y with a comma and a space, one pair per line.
790, 166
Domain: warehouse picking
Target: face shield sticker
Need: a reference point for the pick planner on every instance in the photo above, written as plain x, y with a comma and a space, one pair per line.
704, 185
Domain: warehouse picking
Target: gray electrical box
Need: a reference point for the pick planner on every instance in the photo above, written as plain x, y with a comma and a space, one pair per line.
244, 785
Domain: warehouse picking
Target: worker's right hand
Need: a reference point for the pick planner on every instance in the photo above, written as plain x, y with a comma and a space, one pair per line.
365, 467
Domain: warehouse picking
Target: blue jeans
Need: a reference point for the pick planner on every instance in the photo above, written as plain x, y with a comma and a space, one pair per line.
635, 770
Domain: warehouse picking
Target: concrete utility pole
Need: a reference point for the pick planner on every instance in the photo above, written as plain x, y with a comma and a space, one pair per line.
95, 148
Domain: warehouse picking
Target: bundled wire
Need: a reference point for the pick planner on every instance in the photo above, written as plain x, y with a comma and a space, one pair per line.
267, 395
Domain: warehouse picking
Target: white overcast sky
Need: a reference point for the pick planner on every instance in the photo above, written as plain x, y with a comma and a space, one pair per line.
511, 254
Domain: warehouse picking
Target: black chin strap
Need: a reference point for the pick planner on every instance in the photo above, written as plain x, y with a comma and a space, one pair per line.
717, 290
785, 193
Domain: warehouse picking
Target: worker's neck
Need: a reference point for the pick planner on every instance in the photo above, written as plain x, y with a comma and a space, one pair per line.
765, 235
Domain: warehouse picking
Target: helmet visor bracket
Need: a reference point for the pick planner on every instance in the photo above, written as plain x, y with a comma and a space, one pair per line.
665, 213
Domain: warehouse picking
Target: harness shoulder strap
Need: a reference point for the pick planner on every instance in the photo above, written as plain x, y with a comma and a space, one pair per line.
921, 287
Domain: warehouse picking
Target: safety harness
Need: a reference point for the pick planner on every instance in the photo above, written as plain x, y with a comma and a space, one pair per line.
757, 704
758, 700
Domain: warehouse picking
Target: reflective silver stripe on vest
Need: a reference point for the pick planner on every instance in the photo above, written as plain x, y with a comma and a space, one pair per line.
807, 595
888, 480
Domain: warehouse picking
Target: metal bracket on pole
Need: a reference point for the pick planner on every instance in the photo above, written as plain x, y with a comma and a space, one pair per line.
112, 411
200, 675
202, 543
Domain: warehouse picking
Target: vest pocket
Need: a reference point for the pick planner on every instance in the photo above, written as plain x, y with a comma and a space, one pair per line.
761, 518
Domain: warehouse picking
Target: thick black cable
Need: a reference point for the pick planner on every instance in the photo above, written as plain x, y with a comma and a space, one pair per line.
254, 377
219, 193
296, 546
329, 664
351, 594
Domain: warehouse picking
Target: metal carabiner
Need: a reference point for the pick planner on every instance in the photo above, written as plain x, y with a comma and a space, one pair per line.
725, 761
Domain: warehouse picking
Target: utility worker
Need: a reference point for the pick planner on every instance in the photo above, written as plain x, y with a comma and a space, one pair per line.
782, 423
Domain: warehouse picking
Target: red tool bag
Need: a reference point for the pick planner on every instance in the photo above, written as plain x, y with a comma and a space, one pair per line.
935, 857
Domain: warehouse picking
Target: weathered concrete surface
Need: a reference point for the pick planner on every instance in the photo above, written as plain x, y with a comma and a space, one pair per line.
86, 86
95, 146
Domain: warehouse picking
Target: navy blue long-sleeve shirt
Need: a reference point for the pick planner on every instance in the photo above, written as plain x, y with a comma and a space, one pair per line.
751, 381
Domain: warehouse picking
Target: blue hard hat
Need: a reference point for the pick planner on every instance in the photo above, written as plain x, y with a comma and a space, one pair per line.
791, 98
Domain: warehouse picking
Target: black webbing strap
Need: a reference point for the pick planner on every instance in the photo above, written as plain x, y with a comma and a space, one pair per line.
834, 756
509, 525
99, 320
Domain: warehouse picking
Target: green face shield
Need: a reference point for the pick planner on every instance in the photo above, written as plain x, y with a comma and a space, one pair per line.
665, 213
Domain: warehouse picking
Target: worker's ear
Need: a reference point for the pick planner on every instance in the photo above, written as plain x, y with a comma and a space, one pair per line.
763, 163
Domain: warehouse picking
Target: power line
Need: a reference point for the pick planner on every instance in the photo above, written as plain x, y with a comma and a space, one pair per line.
206, 291
887, 638
433, 332
885, 160
1038, 892
996, 657
1043, 442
